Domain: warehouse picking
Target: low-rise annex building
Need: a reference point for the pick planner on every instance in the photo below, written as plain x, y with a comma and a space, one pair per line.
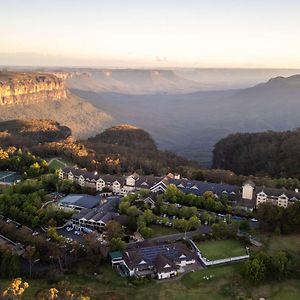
160, 261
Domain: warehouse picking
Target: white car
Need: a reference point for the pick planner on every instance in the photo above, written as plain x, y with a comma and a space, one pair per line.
35, 233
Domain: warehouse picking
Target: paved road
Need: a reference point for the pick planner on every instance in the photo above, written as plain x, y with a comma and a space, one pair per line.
204, 229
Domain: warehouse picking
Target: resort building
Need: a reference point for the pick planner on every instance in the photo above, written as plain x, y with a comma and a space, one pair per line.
258, 195
96, 218
159, 261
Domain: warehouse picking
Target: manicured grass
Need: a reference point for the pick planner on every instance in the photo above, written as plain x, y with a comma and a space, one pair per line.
159, 230
221, 249
192, 280
56, 164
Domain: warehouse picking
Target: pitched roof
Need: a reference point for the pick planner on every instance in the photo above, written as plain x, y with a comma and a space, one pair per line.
277, 192
147, 181
86, 174
163, 264
105, 212
148, 255
200, 187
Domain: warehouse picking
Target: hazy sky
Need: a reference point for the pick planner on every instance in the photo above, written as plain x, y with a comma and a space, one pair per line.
160, 33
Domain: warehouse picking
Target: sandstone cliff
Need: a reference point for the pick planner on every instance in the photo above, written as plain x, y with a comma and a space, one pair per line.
29, 88
43, 96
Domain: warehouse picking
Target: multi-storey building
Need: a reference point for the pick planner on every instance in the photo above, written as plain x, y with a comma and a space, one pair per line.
279, 197
120, 185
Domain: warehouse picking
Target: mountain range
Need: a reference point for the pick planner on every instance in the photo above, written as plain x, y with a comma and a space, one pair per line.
182, 109
190, 124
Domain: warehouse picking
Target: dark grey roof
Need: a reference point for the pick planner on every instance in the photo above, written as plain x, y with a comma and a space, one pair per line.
164, 264
80, 200
172, 252
277, 192
104, 212
110, 179
86, 174
147, 181
199, 187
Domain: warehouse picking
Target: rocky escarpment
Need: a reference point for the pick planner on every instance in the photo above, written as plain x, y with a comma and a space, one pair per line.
28, 88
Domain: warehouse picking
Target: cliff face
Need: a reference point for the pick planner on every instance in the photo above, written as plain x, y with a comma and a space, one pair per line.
29, 88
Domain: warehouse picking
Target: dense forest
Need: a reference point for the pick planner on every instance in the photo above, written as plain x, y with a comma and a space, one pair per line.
126, 148
276, 154
119, 149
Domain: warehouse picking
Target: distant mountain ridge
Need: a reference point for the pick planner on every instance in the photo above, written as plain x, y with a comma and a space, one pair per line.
133, 81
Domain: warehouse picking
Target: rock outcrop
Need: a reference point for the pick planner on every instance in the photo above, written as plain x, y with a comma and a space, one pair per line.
40, 95
29, 88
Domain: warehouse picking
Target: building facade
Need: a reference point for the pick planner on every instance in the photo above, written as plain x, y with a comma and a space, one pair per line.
278, 197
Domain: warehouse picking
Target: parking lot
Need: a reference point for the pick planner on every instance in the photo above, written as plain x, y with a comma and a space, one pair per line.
70, 234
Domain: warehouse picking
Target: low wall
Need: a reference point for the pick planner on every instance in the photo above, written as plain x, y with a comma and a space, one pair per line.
218, 261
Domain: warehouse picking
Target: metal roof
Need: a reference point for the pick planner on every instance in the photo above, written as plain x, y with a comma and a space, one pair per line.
81, 200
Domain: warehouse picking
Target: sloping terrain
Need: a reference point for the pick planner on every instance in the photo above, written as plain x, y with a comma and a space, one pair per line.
35, 95
29, 133
119, 149
82, 117
126, 148
276, 154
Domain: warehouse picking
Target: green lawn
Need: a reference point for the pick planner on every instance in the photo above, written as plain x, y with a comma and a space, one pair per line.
56, 164
221, 249
159, 230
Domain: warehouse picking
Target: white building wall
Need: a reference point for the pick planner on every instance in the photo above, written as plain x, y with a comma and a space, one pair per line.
166, 275
130, 181
247, 192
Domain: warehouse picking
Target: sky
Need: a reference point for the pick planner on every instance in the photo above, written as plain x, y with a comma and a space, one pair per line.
151, 33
